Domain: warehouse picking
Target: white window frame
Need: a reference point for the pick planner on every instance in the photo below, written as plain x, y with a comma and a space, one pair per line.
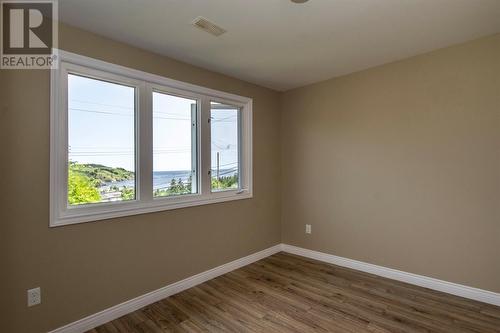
61, 213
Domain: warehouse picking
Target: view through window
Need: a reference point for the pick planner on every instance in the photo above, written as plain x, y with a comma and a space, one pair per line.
174, 145
101, 141
224, 130
126, 142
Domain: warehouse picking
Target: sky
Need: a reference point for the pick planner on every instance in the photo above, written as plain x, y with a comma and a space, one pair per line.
101, 128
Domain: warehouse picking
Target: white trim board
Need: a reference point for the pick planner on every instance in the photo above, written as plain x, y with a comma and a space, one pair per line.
418, 280
134, 304
124, 308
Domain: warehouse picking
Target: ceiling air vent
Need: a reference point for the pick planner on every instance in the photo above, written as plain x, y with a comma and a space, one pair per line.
207, 26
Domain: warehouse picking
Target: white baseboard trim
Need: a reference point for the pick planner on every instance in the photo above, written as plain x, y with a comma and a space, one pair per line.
124, 308
419, 280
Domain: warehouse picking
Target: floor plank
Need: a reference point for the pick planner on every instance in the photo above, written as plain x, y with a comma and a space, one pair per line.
288, 293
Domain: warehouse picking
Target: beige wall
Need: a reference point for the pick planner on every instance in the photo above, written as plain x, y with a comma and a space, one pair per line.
88, 267
399, 165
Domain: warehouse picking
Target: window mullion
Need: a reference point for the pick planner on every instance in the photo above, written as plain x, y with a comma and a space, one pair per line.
241, 177
195, 150
144, 154
62, 152
205, 147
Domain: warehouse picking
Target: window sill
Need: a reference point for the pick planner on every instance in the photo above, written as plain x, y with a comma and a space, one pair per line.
122, 209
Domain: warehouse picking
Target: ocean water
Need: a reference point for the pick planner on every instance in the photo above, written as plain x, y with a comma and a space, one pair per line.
162, 179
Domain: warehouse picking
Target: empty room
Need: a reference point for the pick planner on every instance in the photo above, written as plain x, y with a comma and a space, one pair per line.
250, 166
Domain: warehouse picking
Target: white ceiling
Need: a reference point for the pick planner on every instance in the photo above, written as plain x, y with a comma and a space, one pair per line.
282, 45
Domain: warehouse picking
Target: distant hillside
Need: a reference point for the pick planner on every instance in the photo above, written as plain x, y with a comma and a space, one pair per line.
100, 174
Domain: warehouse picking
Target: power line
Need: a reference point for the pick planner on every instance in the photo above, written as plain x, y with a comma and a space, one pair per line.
129, 148
101, 112
226, 147
171, 118
214, 119
228, 164
122, 114
227, 172
121, 154
102, 104
94, 154
171, 114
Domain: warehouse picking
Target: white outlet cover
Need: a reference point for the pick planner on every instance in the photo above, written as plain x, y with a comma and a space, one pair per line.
308, 228
34, 296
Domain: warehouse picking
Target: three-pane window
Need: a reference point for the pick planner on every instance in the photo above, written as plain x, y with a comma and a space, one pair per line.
126, 142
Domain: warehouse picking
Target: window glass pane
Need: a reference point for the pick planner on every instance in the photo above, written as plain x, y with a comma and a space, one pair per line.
101, 141
224, 122
174, 145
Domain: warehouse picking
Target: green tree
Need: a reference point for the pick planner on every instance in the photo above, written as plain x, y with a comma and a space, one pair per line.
189, 186
173, 186
127, 193
181, 186
225, 182
81, 189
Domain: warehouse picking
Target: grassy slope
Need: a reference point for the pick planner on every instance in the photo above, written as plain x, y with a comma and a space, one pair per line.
100, 173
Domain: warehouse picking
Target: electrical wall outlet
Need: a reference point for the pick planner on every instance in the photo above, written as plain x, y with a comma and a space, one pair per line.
308, 228
34, 296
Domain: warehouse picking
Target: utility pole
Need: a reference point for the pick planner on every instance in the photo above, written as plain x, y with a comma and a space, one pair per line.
218, 178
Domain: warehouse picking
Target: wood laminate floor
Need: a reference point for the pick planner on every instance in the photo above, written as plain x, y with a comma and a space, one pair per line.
287, 293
